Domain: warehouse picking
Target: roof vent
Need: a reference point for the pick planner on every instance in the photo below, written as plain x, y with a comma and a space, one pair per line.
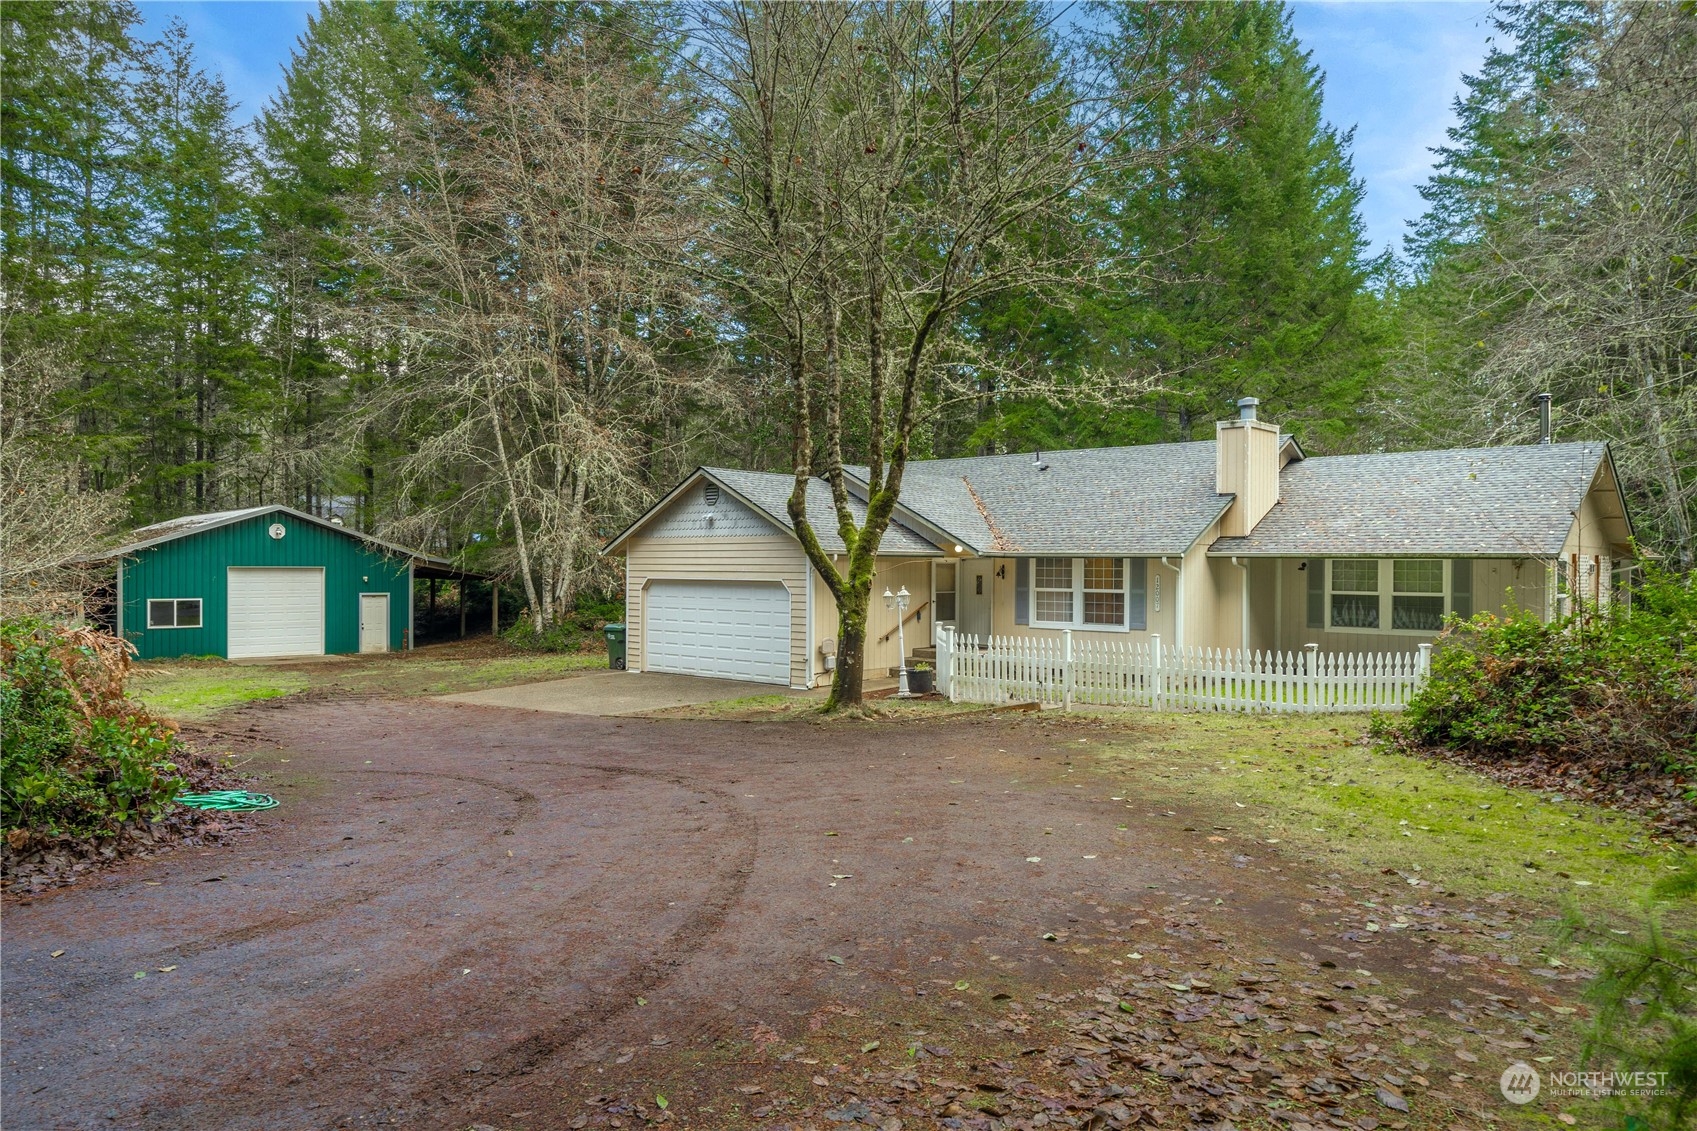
1246, 408
1544, 427
712, 494
1037, 463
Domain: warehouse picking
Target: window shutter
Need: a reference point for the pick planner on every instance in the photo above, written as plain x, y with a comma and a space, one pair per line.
1461, 587
1022, 591
1316, 592
1137, 593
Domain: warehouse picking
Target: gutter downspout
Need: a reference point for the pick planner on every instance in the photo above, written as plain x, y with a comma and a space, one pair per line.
1178, 600
1243, 605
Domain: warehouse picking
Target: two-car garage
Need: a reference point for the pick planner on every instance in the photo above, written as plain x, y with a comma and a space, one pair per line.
727, 629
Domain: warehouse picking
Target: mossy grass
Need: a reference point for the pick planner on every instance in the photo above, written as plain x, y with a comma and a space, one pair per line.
1311, 784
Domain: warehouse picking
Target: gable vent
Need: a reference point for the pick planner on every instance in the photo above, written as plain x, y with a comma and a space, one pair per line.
711, 493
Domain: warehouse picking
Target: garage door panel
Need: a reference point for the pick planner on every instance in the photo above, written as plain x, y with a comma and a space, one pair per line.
730, 630
275, 612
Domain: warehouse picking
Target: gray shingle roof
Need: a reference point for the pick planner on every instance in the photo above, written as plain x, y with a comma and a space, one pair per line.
770, 492
1517, 502
1149, 500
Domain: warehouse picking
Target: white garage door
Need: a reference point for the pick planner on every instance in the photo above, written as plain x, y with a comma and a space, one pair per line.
732, 630
276, 612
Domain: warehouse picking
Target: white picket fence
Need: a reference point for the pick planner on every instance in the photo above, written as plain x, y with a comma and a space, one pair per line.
1090, 671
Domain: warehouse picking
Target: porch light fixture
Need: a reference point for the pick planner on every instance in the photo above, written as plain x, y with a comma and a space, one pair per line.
960, 549
898, 603
1002, 571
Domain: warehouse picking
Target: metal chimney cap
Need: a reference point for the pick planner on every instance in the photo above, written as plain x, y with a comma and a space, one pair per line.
1246, 408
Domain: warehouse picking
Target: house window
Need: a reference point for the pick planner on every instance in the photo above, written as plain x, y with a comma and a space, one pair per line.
1408, 595
1104, 591
174, 612
1355, 594
943, 589
1417, 595
1054, 591
1095, 593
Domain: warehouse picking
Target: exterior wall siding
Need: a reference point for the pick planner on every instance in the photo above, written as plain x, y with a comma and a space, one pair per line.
1498, 585
881, 656
767, 557
197, 566
1160, 608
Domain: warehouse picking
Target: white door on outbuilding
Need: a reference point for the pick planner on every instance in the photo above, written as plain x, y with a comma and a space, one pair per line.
374, 622
275, 611
725, 629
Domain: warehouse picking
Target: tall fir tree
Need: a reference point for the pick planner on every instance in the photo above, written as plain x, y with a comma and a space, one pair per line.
326, 139
192, 400
1253, 277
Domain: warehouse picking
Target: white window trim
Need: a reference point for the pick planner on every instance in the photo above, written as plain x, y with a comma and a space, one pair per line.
1077, 623
1387, 581
172, 601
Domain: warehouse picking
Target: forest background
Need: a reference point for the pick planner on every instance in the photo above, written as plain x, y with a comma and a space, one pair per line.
486, 278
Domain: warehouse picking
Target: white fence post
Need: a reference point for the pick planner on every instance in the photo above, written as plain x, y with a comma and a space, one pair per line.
946, 661
1157, 674
1066, 669
1311, 694
1425, 668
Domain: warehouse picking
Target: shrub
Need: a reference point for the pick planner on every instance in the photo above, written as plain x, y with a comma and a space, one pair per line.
1645, 995
78, 757
1616, 685
579, 628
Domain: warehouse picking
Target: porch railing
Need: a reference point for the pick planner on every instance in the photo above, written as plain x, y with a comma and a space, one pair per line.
1067, 672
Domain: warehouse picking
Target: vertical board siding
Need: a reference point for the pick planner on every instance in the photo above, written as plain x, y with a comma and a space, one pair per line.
197, 565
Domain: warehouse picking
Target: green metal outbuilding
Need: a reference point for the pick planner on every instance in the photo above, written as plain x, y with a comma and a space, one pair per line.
265, 582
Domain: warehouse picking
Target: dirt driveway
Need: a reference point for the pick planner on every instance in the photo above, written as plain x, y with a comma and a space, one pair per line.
464, 916
616, 693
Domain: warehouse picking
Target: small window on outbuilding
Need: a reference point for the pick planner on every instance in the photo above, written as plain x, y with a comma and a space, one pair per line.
173, 612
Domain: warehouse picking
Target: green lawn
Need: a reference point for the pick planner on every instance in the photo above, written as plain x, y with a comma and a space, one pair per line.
198, 689
1309, 783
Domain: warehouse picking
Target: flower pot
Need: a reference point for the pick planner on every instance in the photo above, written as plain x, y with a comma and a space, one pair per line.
921, 681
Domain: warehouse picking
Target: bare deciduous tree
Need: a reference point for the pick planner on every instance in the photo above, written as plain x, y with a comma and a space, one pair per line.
882, 167
51, 519
532, 267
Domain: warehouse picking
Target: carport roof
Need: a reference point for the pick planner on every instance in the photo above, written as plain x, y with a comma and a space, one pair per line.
424, 565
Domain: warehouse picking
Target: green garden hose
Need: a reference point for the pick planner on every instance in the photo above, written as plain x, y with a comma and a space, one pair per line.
229, 801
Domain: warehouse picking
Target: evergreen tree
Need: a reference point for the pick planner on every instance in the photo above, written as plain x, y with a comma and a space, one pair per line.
68, 199
1252, 273
194, 391
327, 137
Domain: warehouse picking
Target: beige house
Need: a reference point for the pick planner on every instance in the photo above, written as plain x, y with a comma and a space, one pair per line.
1241, 542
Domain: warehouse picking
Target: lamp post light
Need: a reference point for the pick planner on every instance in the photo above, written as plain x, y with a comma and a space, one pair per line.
899, 602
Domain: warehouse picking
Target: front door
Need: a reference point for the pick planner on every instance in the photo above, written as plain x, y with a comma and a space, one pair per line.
972, 597
374, 622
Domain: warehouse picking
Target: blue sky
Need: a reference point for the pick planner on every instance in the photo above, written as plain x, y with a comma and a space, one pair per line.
1392, 70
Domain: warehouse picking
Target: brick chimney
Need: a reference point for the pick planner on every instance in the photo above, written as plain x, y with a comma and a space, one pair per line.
1246, 464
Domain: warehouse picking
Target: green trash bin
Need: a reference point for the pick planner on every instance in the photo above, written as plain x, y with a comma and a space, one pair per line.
616, 647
